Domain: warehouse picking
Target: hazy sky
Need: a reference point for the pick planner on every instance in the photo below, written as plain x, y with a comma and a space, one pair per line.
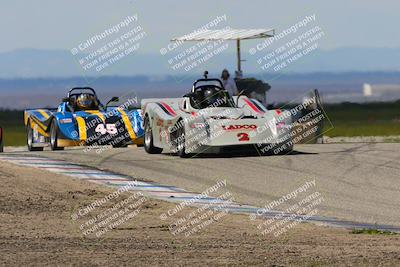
62, 24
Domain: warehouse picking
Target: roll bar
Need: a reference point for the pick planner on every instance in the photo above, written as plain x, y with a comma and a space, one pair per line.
81, 89
206, 80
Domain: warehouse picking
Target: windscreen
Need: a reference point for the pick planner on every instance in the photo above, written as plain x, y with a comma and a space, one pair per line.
210, 96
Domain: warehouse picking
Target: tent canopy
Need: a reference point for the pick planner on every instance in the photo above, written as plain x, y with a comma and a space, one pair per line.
227, 34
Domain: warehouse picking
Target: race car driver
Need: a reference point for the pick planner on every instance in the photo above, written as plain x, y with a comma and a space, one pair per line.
87, 102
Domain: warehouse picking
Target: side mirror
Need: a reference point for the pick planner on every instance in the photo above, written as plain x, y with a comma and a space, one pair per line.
191, 94
113, 99
65, 99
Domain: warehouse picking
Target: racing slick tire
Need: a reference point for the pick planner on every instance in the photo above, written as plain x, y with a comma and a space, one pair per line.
180, 143
148, 139
54, 136
1, 140
29, 138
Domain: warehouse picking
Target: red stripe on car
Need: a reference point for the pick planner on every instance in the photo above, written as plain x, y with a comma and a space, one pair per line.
167, 107
252, 106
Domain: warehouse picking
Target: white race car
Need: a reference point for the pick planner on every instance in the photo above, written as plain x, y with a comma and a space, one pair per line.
209, 120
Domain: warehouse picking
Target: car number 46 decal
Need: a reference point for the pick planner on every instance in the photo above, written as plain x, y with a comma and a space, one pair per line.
106, 128
243, 137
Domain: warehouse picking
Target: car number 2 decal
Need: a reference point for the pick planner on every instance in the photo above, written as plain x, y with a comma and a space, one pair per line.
243, 137
107, 128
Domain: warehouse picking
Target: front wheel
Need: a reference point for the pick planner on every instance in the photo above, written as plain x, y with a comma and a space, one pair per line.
29, 138
54, 136
148, 139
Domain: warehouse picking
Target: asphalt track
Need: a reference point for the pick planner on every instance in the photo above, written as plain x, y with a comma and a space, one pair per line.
359, 182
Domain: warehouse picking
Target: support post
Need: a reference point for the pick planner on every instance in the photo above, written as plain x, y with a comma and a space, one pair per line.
239, 61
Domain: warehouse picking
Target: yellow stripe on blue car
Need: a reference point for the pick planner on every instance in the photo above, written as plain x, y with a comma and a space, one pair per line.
81, 128
97, 113
128, 124
44, 113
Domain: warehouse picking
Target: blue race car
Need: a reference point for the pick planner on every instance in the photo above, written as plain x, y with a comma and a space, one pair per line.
81, 119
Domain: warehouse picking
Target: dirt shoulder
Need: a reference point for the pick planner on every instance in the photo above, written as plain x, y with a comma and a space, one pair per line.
37, 229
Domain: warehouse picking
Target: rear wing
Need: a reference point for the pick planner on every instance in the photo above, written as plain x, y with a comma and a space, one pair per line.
41, 115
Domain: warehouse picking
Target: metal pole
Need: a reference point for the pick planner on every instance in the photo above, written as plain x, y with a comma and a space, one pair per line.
239, 69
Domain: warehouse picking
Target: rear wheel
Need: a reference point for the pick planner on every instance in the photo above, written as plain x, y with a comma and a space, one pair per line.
148, 139
29, 138
54, 136
180, 142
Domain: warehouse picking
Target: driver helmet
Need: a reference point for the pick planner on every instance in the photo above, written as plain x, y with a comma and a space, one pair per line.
211, 95
85, 101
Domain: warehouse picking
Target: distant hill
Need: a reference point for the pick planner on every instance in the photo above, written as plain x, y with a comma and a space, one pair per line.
41, 92
32, 63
